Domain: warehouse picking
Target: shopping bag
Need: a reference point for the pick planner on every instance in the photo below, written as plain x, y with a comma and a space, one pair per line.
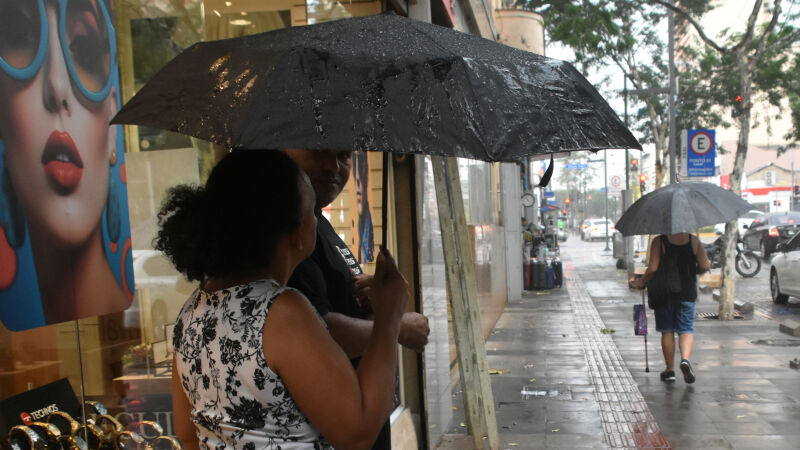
639, 320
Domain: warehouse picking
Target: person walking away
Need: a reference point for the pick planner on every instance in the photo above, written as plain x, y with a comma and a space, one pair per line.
254, 366
676, 315
332, 278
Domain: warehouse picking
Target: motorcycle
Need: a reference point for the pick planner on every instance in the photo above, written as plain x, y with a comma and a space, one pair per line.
747, 264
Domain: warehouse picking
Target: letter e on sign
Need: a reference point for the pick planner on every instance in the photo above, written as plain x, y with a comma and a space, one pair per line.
701, 143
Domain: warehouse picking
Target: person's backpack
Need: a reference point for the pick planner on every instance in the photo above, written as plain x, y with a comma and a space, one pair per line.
665, 282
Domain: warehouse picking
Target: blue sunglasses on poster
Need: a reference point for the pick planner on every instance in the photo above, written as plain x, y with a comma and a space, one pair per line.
87, 38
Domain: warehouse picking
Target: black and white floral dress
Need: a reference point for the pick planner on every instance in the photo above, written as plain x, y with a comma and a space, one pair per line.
237, 400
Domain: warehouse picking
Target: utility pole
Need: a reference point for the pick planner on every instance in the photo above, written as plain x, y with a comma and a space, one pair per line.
672, 146
605, 179
627, 157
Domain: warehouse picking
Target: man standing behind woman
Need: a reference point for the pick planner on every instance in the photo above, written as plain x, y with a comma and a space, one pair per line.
331, 277
676, 315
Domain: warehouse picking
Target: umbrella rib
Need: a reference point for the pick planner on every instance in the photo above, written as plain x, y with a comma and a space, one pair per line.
712, 202
466, 73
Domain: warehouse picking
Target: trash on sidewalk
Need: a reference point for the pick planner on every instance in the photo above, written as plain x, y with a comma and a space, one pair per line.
790, 326
497, 371
794, 363
608, 330
743, 306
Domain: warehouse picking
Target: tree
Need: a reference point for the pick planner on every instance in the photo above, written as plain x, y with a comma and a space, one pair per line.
749, 68
624, 34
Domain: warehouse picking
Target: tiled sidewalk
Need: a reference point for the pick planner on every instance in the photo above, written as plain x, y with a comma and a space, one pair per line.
626, 419
561, 381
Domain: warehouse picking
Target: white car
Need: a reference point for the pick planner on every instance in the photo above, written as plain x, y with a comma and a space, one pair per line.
784, 276
596, 229
742, 223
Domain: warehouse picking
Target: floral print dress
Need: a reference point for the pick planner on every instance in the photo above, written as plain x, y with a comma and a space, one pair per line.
237, 400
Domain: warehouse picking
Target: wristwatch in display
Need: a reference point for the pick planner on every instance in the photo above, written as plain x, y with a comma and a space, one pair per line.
147, 429
22, 437
128, 440
166, 443
64, 422
91, 434
71, 443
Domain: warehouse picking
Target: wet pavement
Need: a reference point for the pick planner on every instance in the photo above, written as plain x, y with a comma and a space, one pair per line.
571, 373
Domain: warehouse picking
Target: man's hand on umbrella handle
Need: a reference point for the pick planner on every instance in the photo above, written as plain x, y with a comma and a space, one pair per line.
414, 331
388, 289
362, 283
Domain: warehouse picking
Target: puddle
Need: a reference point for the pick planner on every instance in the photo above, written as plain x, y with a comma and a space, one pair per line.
777, 342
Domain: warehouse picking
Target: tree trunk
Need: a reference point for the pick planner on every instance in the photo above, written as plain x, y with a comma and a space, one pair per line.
728, 290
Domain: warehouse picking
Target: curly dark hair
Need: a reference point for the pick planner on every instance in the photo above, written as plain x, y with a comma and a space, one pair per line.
232, 225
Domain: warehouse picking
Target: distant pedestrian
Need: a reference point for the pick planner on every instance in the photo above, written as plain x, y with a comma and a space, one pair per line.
685, 253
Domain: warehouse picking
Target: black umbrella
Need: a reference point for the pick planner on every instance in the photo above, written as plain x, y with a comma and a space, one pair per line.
681, 208
384, 83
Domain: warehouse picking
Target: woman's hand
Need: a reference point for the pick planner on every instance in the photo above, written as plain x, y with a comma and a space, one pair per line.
636, 282
388, 290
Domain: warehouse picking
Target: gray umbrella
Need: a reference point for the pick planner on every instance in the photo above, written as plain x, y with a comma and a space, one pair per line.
681, 208
380, 82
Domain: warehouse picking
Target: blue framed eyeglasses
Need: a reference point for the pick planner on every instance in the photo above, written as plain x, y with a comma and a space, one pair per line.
87, 39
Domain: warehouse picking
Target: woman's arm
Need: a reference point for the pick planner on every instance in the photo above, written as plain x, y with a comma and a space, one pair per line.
181, 409
652, 264
703, 264
347, 406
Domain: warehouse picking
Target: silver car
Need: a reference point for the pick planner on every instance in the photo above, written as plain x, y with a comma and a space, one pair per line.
784, 277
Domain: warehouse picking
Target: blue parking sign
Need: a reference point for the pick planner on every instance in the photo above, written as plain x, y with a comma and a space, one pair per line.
701, 155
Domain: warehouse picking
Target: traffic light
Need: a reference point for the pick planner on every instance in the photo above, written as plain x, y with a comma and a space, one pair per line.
642, 180
797, 191
634, 164
568, 201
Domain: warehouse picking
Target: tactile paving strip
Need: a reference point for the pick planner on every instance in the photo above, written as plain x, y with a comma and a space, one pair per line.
627, 420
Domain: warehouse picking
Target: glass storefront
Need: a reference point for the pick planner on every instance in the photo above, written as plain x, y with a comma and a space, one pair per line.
119, 359
114, 353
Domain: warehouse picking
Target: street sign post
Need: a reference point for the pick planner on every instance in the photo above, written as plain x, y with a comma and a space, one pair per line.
576, 166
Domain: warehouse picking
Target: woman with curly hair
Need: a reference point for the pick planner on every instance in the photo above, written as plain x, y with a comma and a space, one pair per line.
248, 350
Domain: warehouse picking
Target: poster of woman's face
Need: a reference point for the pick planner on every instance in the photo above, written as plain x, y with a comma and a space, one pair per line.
65, 247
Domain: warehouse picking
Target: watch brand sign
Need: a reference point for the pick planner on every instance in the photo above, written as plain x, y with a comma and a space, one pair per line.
39, 414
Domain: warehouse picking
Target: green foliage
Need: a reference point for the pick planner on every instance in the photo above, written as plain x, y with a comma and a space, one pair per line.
792, 87
711, 82
629, 34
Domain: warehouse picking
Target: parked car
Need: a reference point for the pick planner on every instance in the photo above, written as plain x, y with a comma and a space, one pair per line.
597, 229
584, 226
742, 223
767, 231
784, 276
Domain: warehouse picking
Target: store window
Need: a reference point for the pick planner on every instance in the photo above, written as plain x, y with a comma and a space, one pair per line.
116, 352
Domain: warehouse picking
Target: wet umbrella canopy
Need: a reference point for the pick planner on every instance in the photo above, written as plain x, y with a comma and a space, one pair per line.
681, 208
383, 83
